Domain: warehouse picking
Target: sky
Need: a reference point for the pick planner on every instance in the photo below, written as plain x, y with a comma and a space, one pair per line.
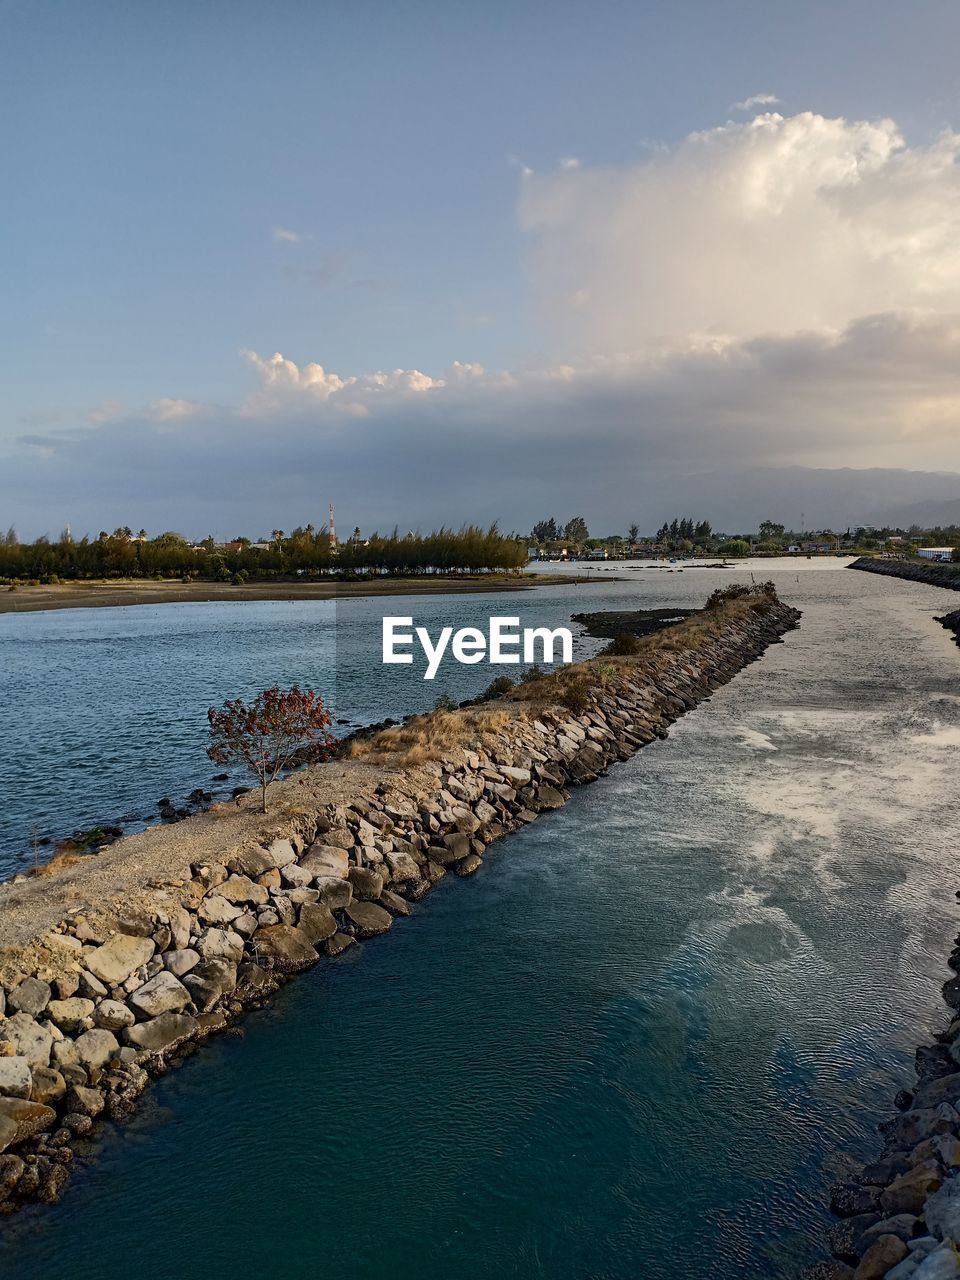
436, 262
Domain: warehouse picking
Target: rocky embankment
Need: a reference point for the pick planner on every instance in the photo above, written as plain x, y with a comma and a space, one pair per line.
937, 575
137, 955
900, 1217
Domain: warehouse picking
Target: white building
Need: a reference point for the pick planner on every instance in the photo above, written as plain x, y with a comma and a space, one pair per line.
935, 553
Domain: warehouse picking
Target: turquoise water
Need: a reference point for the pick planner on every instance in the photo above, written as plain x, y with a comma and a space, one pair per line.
631, 1046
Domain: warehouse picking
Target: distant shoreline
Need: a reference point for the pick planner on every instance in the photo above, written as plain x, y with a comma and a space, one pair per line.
133, 591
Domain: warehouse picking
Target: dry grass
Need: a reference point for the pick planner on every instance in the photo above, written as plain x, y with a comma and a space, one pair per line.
59, 862
434, 735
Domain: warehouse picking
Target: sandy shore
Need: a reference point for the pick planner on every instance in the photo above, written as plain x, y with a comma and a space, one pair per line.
133, 591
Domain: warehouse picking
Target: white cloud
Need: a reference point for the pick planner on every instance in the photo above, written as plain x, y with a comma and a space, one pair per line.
756, 100
169, 409
776, 225
283, 235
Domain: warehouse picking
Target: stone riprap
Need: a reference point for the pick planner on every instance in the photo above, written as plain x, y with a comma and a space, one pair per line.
900, 1216
929, 571
95, 1005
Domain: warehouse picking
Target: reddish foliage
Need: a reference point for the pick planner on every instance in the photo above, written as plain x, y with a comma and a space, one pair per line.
279, 728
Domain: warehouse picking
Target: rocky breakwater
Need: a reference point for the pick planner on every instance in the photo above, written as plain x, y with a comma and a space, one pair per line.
936, 575
900, 1215
141, 956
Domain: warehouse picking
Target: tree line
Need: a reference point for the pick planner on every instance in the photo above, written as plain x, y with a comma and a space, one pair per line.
307, 551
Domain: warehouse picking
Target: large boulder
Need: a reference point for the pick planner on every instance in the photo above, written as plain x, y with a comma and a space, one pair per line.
161, 1033
316, 923
31, 997
402, 866
70, 1015
32, 1040
15, 1078
160, 995
324, 861
113, 1016
333, 892
941, 1211
367, 884
281, 853
209, 981
181, 961
96, 1048
884, 1253
119, 957
221, 944
907, 1193
241, 890
369, 919
216, 909
285, 946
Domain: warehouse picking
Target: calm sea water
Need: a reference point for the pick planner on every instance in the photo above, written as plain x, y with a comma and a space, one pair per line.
632, 1046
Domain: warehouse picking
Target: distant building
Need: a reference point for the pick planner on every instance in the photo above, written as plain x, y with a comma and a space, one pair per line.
935, 553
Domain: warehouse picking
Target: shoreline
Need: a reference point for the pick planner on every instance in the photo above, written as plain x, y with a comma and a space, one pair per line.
116, 964
128, 592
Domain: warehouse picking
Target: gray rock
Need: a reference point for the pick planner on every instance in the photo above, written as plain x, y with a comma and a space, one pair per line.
96, 1048
160, 995
369, 919
32, 1040
941, 1212
402, 866
252, 862
326, 861
91, 986
64, 1054
245, 924
333, 892
241, 890
393, 903
32, 996
295, 876
181, 961
161, 1033
70, 1015
281, 853
181, 924
942, 1264
285, 946
221, 944
215, 909
112, 1015
316, 922
367, 884
119, 957
15, 1078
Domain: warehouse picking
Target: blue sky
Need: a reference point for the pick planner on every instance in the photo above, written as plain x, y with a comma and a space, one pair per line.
155, 154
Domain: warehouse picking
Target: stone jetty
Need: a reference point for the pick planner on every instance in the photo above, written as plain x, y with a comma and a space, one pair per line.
111, 967
931, 572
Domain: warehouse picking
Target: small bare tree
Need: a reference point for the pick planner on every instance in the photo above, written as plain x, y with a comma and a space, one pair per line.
279, 728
